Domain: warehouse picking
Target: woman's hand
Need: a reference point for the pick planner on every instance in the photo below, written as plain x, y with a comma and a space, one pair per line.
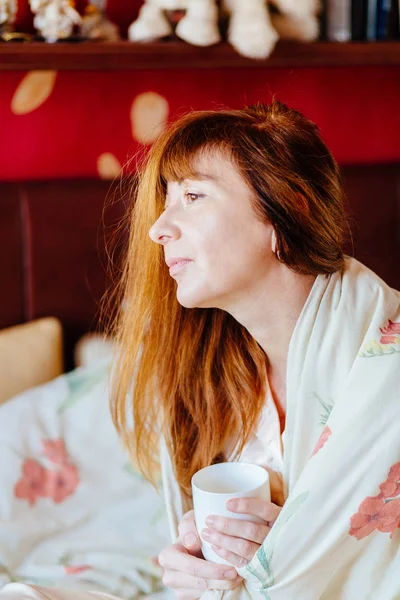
186, 571
238, 541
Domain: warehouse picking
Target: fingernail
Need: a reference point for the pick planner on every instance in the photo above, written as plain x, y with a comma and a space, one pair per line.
206, 533
190, 539
210, 521
231, 505
230, 574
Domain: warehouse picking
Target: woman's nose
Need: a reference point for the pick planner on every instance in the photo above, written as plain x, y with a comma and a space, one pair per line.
163, 230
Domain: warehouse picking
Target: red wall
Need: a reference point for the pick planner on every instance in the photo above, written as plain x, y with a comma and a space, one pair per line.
88, 113
59, 124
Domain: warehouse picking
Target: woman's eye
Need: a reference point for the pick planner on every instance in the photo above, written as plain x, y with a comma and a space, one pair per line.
192, 197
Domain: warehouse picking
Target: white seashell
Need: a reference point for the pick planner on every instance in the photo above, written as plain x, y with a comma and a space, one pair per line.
200, 24
251, 31
151, 24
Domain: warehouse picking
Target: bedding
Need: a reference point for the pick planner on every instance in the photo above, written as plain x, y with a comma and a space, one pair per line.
74, 512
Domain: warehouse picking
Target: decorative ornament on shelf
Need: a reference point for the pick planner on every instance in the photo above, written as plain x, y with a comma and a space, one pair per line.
8, 13
250, 31
254, 26
55, 19
96, 26
199, 26
152, 23
297, 19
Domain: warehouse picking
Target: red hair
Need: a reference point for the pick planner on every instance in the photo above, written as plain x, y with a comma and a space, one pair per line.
196, 376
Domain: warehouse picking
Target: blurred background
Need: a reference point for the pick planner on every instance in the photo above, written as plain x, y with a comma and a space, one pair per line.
83, 92
85, 89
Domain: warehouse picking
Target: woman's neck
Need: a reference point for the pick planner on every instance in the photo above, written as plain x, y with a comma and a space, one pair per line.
270, 312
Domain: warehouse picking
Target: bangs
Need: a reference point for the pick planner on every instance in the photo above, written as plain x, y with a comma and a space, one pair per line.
183, 147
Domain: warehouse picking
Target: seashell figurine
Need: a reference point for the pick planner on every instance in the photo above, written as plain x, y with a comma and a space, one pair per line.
8, 13
96, 26
55, 19
253, 26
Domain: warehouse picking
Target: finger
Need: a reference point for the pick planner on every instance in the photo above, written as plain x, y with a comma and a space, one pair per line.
234, 559
177, 580
255, 506
188, 532
176, 554
242, 547
248, 530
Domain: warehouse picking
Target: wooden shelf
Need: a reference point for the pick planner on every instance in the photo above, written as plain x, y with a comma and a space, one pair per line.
102, 56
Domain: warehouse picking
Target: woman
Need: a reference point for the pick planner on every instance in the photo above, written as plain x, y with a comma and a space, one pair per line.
256, 339
252, 323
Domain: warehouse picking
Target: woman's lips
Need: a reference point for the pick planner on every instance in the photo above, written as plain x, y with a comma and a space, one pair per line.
178, 266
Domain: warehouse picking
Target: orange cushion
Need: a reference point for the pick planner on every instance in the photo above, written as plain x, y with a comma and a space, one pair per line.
30, 354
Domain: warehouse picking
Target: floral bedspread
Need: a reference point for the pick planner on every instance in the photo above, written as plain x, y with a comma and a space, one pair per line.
74, 512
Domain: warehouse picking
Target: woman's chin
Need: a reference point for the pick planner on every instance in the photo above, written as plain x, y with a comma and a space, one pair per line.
193, 300
188, 302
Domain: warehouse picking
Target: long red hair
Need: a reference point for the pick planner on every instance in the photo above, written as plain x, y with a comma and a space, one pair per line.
196, 376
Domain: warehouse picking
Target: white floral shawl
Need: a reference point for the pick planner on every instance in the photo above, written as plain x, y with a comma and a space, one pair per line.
337, 536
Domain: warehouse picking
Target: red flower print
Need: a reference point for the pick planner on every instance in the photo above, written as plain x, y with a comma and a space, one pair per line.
32, 484
326, 432
62, 483
57, 483
55, 451
389, 519
387, 339
391, 327
74, 569
366, 520
381, 512
389, 332
391, 487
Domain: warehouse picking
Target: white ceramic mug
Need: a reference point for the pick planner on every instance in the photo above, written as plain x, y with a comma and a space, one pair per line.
213, 486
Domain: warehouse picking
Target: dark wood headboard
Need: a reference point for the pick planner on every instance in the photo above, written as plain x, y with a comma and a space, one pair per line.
53, 260
52, 252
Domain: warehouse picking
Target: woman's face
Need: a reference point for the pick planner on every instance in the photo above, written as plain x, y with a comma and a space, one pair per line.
216, 249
